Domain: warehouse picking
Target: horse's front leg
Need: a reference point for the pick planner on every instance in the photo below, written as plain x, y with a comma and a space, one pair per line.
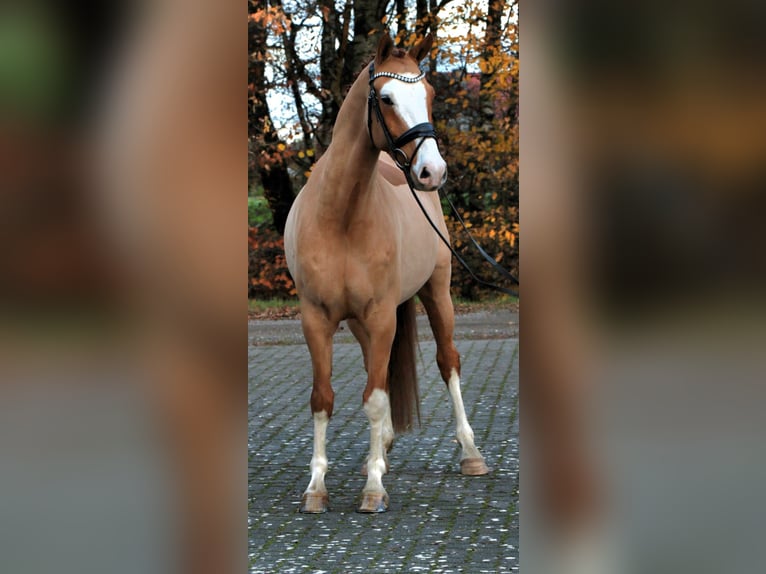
381, 329
318, 332
363, 337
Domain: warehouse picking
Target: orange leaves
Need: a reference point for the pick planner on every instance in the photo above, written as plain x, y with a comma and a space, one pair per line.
271, 155
272, 18
497, 231
268, 275
307, 153
475, 117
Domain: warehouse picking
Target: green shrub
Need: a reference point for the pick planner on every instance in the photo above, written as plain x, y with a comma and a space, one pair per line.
258, 212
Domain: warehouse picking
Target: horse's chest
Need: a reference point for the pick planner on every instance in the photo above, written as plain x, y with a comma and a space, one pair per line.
348, 259
370, 261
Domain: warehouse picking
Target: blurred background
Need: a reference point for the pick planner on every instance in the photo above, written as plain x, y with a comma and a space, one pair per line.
122, 339
642, 377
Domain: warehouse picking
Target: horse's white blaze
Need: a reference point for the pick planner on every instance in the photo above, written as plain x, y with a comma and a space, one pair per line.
411, 106
319, 460
464, 430
409, 101
377, 408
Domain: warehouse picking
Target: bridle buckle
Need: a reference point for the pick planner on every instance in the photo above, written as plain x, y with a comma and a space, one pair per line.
398, 153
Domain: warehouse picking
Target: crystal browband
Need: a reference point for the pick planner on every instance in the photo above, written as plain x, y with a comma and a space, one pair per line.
408, 79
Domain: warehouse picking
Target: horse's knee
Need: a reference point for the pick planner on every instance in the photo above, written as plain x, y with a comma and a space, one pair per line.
322, 399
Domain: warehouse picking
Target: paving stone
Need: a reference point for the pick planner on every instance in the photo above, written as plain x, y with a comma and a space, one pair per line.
439, 521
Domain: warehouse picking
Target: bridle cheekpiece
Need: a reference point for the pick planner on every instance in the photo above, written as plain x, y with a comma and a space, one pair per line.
424, 130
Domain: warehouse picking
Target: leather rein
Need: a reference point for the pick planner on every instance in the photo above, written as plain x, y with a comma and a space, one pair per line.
404, 163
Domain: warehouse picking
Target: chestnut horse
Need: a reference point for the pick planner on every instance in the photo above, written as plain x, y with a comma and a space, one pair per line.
359, 249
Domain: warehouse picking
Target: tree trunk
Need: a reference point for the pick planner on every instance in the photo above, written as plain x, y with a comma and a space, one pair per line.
494, 22
367, 31
330, 80
401, 17
422, 17
262, 137
492, 35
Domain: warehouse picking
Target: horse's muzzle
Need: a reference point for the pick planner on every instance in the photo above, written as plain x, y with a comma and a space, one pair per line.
429, 176
429, 170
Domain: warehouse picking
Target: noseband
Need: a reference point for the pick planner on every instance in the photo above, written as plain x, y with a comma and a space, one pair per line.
424, 130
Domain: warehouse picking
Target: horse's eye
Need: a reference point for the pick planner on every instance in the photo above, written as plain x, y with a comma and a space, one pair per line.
387, 100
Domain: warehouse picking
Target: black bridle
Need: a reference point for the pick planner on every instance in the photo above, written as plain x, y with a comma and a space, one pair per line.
404, 163
395, 146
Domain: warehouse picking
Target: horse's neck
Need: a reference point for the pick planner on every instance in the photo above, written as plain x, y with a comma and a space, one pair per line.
350, 161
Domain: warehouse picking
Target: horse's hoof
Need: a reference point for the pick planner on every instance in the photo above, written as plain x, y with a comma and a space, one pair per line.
373, 502
473, 467
314, 503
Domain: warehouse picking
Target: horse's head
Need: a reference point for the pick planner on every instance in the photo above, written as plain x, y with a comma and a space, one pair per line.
400, 100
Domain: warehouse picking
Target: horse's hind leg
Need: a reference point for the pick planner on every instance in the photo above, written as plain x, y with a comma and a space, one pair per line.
436, 299
318, 331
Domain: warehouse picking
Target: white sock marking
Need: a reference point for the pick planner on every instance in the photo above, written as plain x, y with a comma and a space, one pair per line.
377, 408
464, 430
319, 460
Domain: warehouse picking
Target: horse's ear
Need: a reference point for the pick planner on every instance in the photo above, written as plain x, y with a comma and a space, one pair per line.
422, 48
385, 47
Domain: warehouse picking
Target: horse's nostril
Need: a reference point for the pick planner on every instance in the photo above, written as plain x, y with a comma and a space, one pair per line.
425, 174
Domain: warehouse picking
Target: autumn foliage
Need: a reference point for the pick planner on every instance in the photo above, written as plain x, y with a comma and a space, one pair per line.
476, 117
268, 276
497, 233
474, 69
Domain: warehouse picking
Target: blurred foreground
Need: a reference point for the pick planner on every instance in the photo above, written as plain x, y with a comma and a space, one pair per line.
643, 154
123, 357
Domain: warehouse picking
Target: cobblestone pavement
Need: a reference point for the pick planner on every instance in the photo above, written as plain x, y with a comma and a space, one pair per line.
438, 520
